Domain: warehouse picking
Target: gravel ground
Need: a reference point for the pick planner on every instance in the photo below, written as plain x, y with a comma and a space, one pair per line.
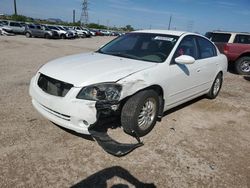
204, 143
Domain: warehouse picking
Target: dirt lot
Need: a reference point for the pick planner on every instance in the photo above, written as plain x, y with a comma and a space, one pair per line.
201, 144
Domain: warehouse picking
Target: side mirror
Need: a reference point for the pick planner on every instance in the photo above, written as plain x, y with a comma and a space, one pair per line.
184, 59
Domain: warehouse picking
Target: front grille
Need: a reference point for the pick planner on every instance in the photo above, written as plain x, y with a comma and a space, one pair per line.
52, 86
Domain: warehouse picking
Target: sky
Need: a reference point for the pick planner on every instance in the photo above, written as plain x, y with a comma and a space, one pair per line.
187, 15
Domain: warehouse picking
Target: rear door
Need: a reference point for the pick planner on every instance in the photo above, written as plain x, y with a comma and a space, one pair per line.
208, 63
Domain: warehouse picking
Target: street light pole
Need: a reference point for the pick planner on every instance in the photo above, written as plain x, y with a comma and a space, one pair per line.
15, 7
169, 24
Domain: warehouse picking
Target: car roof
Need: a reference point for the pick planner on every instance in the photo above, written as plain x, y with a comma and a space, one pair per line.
167, 32
229, 32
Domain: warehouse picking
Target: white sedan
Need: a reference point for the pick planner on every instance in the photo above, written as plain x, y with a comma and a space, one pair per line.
136, 77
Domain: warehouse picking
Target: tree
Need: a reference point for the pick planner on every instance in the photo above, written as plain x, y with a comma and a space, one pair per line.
128, 28
19, 18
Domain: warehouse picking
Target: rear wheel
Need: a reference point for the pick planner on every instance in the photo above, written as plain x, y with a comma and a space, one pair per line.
28, 35
83, 35
47, 36
215, 89
242, 65
63, 36
140, 112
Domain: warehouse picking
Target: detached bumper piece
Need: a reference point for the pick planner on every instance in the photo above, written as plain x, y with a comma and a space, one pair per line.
111, 146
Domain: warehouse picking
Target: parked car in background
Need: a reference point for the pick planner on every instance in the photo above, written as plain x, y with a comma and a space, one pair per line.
83, 33
14, 27
92, 32
32, 30
62, 33
105, 32
5, 30
68, 29
236, 46
87, 32
137, 77
97, 32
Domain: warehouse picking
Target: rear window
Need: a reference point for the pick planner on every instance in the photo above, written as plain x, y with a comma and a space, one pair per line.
219, 37
243, 39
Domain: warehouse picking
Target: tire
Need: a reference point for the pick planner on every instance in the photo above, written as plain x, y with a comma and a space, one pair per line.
139, 113
47, 36
63, 36
242, 65
28, 35
83, 35
215, 89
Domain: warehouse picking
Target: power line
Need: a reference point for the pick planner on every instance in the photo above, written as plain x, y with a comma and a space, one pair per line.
84, 16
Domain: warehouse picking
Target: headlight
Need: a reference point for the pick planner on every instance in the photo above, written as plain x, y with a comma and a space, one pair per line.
101, 92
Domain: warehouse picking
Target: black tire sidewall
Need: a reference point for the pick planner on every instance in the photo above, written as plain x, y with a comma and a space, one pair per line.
238, 65
139, 100
63, 36
28, 35
211, 93
47, 36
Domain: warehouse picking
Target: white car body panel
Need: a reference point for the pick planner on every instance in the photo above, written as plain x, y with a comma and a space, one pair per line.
180, 82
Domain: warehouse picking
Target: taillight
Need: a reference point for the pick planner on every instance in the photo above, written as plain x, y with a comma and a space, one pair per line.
225, 49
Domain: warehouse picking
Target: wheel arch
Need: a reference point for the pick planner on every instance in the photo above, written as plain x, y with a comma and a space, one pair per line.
158, 89
245, 54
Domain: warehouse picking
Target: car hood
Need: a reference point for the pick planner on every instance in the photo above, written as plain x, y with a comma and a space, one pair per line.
85, 69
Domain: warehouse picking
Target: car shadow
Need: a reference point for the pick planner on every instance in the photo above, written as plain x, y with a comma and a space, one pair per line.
179, 107
247, 78
99, 179
231, 68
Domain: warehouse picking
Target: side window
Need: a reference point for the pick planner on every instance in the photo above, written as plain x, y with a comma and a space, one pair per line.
31, 26
187, 47
12, 24
206, 48
243, 39
15, 24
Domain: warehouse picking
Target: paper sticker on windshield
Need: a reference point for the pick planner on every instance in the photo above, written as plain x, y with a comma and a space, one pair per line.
164, 38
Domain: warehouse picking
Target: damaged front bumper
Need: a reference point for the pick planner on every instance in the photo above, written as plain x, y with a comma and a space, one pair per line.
68, 112
82, 116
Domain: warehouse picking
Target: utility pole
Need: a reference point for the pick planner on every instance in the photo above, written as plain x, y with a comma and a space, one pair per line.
169, 24
15, 7
74, 16
84, 16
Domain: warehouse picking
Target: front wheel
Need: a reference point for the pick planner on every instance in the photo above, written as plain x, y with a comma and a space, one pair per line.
215, 89
140, 112
242, 65
28, 35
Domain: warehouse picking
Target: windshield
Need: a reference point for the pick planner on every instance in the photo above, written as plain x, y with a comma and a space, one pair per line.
141, 46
